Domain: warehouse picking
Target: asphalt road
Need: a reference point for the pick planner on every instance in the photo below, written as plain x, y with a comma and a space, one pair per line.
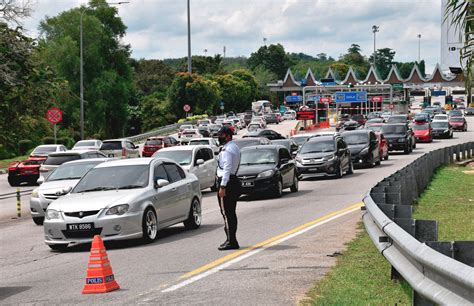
287, 244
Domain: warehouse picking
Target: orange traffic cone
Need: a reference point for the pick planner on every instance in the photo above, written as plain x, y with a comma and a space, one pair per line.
100, 278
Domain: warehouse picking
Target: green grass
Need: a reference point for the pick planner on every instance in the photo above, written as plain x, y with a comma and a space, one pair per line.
449, 199
361, 277
4, 163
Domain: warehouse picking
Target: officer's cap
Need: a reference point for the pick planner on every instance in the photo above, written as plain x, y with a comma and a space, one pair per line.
225, 130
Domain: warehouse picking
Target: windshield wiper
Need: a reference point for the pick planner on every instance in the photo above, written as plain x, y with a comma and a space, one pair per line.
98, 189
312, 152
130, 187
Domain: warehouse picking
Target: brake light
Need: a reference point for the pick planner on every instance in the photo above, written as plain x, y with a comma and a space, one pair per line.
124, 152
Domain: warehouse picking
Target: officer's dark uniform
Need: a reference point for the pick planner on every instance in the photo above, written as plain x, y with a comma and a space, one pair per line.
228, 165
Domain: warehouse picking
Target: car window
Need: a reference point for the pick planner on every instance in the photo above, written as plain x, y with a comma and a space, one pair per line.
284, 154
159, 173
58, 160
208, 154
129, 145
200, 154
174, 174
111, 145
167, 141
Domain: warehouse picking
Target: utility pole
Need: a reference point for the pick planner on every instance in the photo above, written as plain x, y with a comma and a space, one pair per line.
223, 49
265, 41
419, 46
375, 29
189, 40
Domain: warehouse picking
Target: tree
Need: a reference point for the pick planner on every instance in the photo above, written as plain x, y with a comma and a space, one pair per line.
154, 109
263, 77
108, 85
152, 76
12, 11
251, 81
384, 61
273, 58
353, 57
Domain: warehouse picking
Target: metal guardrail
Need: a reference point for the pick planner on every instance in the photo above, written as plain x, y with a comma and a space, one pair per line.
438, 272
161, 131
11, 195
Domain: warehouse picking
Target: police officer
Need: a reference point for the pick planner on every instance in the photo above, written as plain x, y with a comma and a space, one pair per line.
229, 186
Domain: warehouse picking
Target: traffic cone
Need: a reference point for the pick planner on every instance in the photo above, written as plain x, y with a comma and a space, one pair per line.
99, 278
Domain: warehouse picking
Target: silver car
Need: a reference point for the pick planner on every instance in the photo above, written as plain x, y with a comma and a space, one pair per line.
124, 199
90, 144
59, 183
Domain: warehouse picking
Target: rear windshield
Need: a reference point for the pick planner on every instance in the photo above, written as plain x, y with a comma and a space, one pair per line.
401, 119
58, 160
356, 138
357, 117
440, 124
418, 127
394, 129
111, 145
241, 143
258, 157
457, 119
154, 142
181, 157
198, 142
375, 128
85, 144
318, 146
300, 140
189, 132
42, 150
31, 162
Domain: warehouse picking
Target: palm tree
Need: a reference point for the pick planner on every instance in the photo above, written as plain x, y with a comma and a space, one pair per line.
462, 12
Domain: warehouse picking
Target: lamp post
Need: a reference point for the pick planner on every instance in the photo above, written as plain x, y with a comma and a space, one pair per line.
189, 40
419, 46
265, 41
81, 68
375, 29
205, 52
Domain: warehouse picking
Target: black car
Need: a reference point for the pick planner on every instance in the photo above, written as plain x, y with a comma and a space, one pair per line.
271, 118
324, 156
350, 125
214, 128
422, 117
270, 134
290, 144
399, 137
251, 141
398, 119
442, 129
267, 169
364, 147
204, 131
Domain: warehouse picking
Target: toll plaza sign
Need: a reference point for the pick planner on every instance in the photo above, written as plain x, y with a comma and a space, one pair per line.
306, 115
351, 96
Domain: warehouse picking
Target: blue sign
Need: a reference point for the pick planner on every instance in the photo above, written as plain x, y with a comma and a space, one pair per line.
222, 103
437, 93
303, 82
351, 96
313, 98
294, 99
282, 109
328, 83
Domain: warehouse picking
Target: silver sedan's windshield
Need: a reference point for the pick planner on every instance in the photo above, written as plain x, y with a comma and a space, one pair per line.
118, 177
182, 158
70, 172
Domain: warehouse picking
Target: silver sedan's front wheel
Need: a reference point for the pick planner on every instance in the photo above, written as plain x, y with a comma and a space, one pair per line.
194, 217
149, 225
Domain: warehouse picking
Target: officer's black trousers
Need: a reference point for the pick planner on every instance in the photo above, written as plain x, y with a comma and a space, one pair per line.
227, 206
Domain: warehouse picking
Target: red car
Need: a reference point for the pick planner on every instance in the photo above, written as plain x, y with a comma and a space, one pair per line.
423, 131
153, 144
359, 118
25, 171
383, 146
458, 123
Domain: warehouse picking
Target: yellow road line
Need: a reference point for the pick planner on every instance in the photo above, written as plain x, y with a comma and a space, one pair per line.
266, 242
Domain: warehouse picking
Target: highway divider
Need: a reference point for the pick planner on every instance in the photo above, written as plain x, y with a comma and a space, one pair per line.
438, 272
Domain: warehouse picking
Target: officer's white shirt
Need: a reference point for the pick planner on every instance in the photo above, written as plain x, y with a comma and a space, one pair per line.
228, 163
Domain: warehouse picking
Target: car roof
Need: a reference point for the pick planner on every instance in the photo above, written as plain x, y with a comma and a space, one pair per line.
117, 139
183, 148
84, 140
156, 137
49, 146
126, 162
201, 139
395, 124
321, 138
89, 160
268, 146
71, 152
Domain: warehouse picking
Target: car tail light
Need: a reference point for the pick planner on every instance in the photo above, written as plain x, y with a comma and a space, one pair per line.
124, 152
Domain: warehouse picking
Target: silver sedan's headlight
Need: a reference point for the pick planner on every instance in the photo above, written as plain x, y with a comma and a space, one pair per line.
265, 174
52, 214
117, 210
34, 194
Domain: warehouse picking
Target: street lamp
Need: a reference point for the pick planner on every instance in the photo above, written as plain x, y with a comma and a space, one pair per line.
205, 52
81, 86
189, 40
375, 29
419, 44
265, 41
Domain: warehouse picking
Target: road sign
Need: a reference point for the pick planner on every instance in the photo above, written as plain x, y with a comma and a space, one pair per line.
305, 115
186, 108
325, 99
313, 98
351, 96
54, 115
397, 86
377, 99
391, 106
294, 99
437, 93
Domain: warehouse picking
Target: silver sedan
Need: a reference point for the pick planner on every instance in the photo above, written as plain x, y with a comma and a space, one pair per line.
124, 199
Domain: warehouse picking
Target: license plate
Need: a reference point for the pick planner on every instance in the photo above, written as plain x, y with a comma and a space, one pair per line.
247, 184
80, 227
313, 169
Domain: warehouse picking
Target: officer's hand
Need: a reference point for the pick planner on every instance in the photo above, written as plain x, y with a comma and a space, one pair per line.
221, 192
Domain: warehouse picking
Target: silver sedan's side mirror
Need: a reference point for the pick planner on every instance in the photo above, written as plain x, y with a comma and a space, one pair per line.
199, 162
67, 190
40, 180
161, 183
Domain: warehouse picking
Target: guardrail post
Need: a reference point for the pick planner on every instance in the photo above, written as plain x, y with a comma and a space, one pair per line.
469, 150
18, 203
458, 153
464, 149
419, 300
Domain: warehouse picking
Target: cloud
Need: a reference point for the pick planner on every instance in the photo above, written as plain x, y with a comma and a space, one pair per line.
158, 28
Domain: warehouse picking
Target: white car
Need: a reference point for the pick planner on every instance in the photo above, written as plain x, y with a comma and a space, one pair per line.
121, 148
289, 115
440, 117
261, 122
90, 144
189, 134
184, 127
206, 142
59, 183
124, 199
198, 160
44, 150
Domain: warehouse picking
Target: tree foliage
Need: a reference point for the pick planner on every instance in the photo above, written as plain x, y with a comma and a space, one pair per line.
273, 58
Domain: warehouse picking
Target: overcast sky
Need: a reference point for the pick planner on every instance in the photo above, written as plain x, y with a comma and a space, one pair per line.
157, 29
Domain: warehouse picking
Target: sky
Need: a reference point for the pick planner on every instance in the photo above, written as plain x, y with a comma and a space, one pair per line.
157, 29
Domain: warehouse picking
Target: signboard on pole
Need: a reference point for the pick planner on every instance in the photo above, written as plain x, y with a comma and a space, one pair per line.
351, 96
186, 108
325, 99
305, 115
54, 115
437, 93
313, 98
294, 99
397, 86
376, 99
391, 106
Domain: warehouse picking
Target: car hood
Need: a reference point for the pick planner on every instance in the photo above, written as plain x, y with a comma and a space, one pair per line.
356, 148
95, 200
315, 155
391, 136
254, 169
53, 186
420, 132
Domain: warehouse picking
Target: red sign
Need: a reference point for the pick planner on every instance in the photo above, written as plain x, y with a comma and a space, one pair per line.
54, 115
377, 99
391, 106
325, 99
305, 115
186, 108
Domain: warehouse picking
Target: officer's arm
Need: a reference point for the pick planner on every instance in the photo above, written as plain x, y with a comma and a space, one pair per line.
226, 167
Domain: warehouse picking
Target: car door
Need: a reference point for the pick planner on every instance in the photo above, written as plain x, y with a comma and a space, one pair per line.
374, 146
179, 185
344, 155
210, 164
286, 170
165, 198
200, 170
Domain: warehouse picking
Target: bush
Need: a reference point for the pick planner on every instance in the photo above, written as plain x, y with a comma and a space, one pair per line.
48, 140
67, 141
181, 120
24, 145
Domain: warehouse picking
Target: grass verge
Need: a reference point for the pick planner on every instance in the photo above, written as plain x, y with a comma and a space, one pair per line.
4, 163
